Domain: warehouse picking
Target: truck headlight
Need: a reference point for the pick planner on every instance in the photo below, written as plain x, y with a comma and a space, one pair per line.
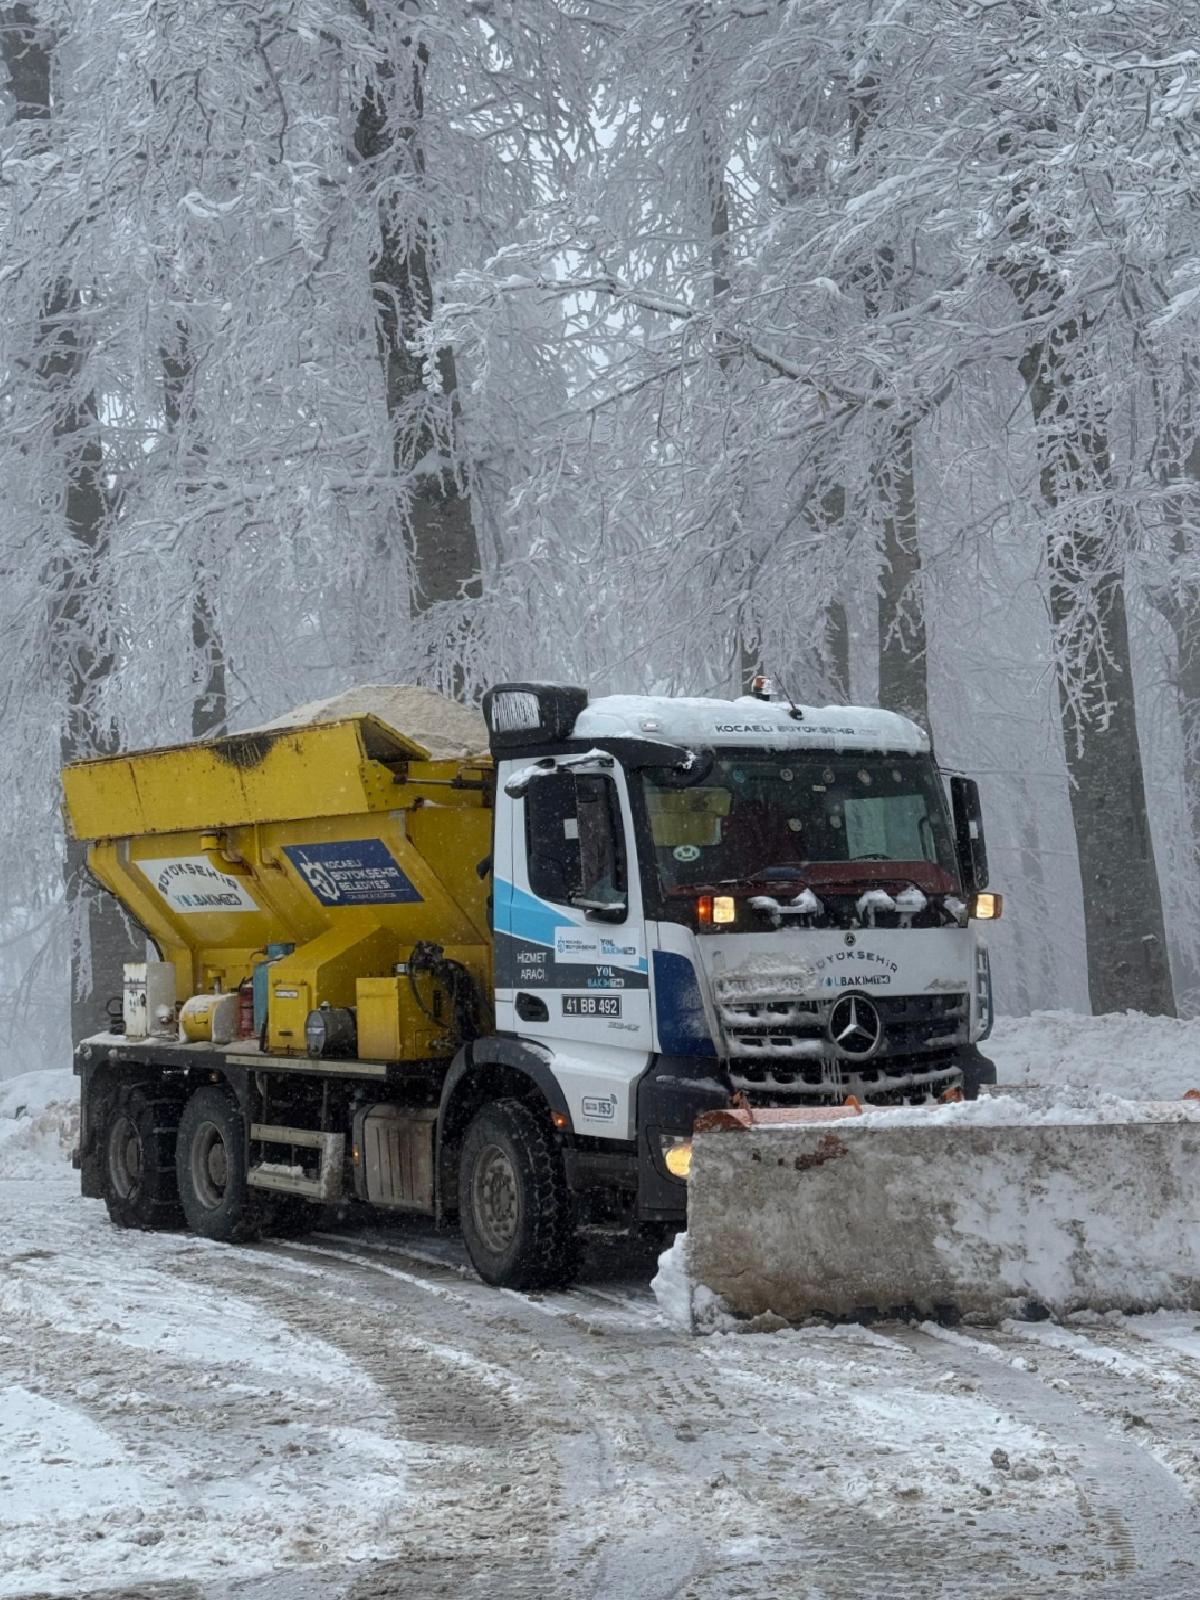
677, 1154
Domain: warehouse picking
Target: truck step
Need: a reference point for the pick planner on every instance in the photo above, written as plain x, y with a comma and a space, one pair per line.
278, 1170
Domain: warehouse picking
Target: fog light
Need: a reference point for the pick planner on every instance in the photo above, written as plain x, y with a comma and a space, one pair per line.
677, 1154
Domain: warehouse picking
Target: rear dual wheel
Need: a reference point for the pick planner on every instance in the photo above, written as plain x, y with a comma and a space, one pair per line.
138, 1173
168, 1162
210, 1167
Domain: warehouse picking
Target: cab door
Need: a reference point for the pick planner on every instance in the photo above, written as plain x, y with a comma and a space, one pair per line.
571, 940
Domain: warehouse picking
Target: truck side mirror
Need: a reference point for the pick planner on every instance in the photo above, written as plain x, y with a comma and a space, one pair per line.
968, 834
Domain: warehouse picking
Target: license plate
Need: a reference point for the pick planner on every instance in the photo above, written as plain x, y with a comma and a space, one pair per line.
591, 1005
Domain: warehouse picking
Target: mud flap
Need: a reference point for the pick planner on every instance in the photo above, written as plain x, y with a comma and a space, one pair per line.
850, 1218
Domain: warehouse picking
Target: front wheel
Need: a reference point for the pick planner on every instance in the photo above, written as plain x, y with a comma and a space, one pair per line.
515, 1209
210, 1162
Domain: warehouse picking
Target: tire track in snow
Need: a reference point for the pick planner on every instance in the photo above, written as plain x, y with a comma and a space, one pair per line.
163, 1432
641, 1385
485, 1476
641, 1462
1143, 1511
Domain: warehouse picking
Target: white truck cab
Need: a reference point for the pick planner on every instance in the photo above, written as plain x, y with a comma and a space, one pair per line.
700, 898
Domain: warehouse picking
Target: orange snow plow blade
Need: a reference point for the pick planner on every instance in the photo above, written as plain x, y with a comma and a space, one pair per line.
983, 1211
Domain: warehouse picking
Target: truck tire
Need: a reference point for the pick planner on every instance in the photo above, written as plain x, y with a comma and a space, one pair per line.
210, 1161
137, 1174
515, 1210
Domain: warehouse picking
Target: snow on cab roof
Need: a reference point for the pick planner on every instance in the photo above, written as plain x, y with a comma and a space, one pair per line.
748, 722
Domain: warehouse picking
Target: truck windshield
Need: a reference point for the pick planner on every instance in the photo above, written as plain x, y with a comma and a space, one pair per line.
821, 818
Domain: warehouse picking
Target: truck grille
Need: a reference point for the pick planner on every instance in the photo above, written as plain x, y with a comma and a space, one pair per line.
780, 1050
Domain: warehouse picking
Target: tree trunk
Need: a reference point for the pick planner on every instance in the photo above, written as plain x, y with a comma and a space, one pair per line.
903, 673
1177, 597
436, 513
834, 647
714, 198
1034, 984
837, 651
80, 633
829, 518
903, 665
1178, 600
210, 702
1128, 965
1186, 628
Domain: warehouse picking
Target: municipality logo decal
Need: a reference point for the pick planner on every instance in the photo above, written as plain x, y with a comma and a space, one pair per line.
577, 943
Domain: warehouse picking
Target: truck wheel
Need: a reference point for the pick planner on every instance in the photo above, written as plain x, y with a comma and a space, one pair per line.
210, 1160
514, 1206
138, 1170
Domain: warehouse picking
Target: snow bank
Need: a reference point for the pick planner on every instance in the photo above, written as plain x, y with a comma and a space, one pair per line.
39, 1124
693, 1306
1124, 1053
671, 1285
1069, 1104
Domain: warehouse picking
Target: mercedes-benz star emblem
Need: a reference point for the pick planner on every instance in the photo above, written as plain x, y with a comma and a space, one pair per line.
855, 1027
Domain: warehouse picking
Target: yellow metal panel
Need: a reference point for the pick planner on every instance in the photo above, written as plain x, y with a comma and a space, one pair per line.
392, 1026
378, 1002
288, 1005
325, 969
262, 777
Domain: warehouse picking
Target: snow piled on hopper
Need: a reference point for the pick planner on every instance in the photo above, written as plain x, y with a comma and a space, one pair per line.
444, 728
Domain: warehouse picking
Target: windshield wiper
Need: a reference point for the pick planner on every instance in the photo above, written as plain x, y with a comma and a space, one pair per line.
780, 874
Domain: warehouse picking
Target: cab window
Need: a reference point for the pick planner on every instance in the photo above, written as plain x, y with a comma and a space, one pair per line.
574, 841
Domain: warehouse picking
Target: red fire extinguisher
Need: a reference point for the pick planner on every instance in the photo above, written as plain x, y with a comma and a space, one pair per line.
246, 1008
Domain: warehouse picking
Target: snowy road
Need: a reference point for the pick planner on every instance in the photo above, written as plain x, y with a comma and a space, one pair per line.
354, 1415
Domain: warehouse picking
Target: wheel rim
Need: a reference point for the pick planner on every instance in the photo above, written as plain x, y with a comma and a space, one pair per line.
209, 1165
495, 1198
126, 1158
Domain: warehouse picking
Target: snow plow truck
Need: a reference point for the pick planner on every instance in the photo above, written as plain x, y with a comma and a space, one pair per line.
500, 969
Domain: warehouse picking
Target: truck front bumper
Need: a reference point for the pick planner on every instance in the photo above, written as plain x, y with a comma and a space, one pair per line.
671, 1094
